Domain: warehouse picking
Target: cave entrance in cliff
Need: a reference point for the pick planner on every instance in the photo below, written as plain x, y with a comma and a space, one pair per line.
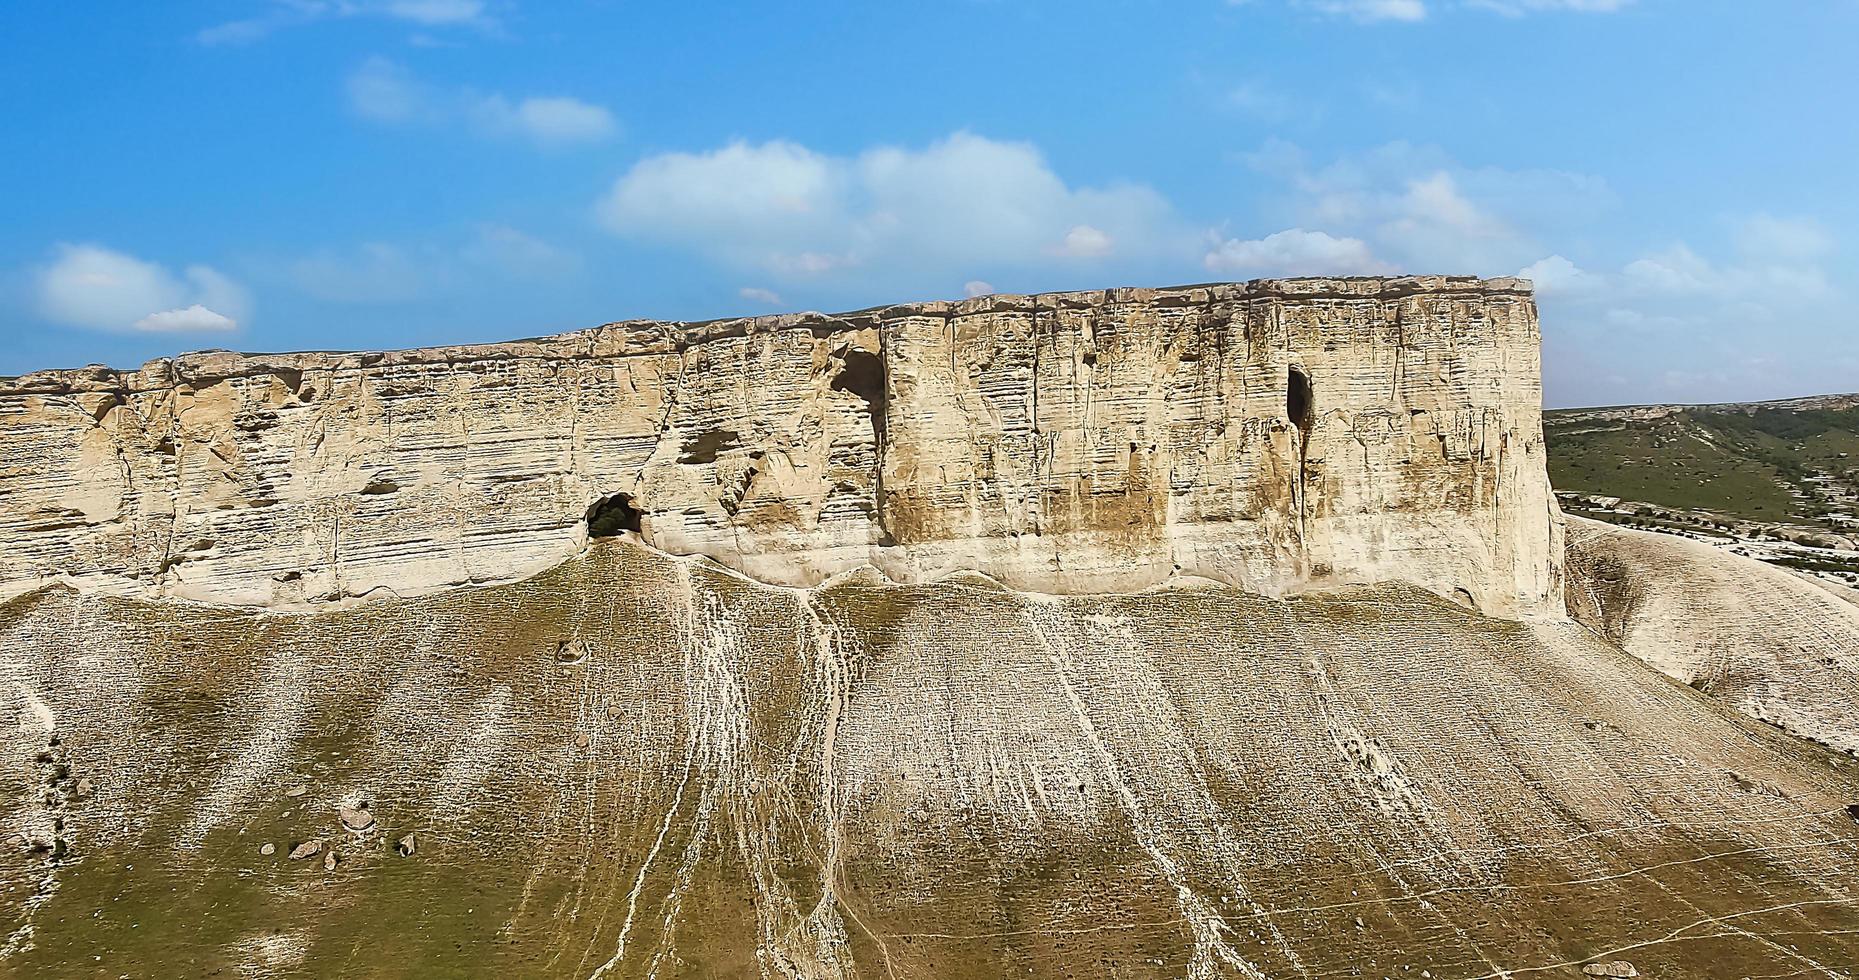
1300, 400
609, 517
863, 375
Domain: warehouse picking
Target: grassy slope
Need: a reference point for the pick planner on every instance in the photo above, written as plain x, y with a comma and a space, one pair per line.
1739, 464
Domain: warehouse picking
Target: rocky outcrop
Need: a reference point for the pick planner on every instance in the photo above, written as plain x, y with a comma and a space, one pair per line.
1275, 436
1778, 646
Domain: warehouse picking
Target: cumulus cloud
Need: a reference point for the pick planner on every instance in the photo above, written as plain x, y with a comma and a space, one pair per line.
1295, 253
1688, 306
1557, 275
774, 190
1692, 311
1663, 286
384, 91
1084, 242
193, 319
964, 200
1435, 199
756, 294
1419, 209
975, 287
281, 15
96, 288
1775, 258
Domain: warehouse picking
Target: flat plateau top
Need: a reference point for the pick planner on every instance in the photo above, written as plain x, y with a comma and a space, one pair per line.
664, 336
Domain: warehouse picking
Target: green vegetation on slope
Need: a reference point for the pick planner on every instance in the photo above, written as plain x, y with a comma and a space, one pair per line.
1669, 463
1796, 466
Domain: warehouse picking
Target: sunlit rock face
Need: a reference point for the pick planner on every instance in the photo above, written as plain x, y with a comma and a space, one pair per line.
638, 766
1194, 720
1276, 436
1782, 647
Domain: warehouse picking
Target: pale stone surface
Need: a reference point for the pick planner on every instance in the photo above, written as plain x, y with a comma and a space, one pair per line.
1781, 647
1064, 443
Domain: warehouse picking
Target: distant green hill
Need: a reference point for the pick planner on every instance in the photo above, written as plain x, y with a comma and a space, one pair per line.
1757, 470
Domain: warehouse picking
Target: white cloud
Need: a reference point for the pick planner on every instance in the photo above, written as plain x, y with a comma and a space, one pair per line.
1686, 307
975, 287
1692, 312
1436, 199
1788, 268
97, 288
1369, 11
1422, 211
519, 255
1675, 270
1084, 242
193, 319
549, 121
961, 201
756, 294
757, 190
1295, 252
281, 15
385, 92
1517, 8
1557, 275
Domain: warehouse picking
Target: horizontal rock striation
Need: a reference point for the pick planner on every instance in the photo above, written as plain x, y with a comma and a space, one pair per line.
1275, 436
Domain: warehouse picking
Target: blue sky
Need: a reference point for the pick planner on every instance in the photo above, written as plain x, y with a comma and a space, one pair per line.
303, 174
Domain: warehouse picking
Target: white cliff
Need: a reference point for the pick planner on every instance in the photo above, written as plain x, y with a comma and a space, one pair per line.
1277, 436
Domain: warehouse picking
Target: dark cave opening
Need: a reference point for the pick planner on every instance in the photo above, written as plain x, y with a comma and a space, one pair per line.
863, 375
611, 516
1300, 400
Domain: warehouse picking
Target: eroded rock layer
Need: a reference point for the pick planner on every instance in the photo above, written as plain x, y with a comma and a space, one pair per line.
1779, 646
1275, 436
634, 766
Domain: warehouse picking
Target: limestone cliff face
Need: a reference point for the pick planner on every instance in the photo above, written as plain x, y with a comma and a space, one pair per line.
1275, 436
